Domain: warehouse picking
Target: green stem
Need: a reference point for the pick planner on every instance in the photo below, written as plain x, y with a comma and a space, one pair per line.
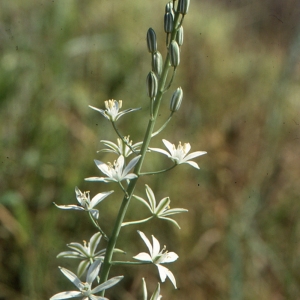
98, 226
122, 138
126, 199
162, 127
158, 172
118, 263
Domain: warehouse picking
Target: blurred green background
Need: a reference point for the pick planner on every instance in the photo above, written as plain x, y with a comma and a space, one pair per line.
240, 74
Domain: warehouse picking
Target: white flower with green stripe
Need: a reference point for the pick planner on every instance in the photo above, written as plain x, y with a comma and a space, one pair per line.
158, 257
161, 210
86, 292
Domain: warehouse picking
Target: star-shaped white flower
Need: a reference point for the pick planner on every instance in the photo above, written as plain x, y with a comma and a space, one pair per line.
122, 148
157, 257
85, 288
112, 110
115, 172
180, 155
85, 203
86, 252
161, 210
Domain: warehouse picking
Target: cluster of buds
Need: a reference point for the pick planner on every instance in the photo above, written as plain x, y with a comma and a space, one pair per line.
174, 30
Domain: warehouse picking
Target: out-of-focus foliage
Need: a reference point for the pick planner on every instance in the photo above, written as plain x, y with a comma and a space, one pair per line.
240, 75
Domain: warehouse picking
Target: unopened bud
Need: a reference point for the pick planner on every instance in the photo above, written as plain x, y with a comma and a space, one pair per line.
168, 22
157, 63
151, 40
183, 6
179, 36
176, 100
169, 7
152, 84
174, 54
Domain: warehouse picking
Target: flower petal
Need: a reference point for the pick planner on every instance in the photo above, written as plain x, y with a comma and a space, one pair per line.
82, 267
163, 272
131, 164
161, 151
156, 247
66, 295
146, 241
94, 241
101, 111
194, 154
169, 146
93, 271
193, 164
162, 205
103, 167
143, 256
72, 206
151, 198
79, 248
107, 284
99, 197
72, 277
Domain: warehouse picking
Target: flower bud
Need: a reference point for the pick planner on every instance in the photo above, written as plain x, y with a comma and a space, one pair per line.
183, 6
151, 40
157, 63
168, 22
174, 54
169, 7
176, 100
152, 84
179, 36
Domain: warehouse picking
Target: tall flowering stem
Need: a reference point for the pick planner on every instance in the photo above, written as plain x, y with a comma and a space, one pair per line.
126, 200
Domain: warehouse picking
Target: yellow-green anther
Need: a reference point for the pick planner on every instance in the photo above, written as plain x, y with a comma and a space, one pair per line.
168, 22
152, 84
183, 6
176, 100
157, 63
179, 36
151, 41
174, 54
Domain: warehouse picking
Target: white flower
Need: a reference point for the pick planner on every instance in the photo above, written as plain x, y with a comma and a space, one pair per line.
85, 203
112, 110
85, 288
115, 172
156, 294
122, 148
158, 257
86, 252
179, 155
161, 211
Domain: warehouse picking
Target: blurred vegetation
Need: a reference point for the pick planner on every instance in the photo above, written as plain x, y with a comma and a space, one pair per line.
240, 75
